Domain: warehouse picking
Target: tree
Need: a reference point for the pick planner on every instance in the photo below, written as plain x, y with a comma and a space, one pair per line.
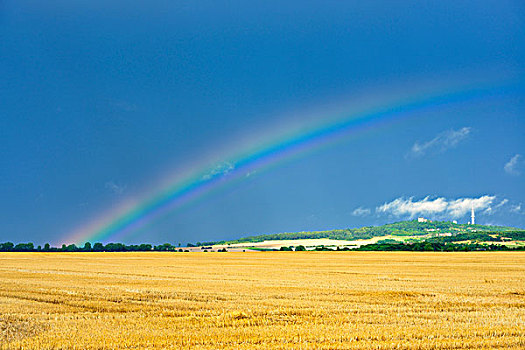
98, 247
24, 247
47, 247
6, 247
145, 247
300, 248
71, 248
428, 247
87, 247
164, 247
115, 247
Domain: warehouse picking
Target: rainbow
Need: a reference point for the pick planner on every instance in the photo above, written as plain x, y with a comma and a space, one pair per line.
119, 224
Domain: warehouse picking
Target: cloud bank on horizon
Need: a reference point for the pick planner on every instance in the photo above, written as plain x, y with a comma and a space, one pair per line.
439, 207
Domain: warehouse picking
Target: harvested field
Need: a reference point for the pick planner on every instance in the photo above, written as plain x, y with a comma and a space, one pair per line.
274, 300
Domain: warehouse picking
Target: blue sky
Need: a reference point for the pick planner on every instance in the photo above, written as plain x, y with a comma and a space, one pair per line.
101, 101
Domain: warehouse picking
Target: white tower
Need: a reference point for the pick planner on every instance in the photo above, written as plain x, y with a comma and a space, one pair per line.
472, 216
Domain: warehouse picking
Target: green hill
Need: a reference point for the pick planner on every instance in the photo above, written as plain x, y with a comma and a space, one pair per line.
403, 228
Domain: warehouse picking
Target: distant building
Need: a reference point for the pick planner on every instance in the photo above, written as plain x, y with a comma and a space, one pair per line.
423, 220
454, 221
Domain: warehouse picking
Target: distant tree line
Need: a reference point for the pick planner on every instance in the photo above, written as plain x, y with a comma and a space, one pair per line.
481, 237
97, 247
474, 236
427, 246
403, 228
430, 245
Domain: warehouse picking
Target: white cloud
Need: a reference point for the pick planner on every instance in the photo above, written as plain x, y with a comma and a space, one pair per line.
114, 187
516, 208
496, 208
440, 143
220, 169
502, 203
361, 211
513, 165
402, 206
461, 206
438, 207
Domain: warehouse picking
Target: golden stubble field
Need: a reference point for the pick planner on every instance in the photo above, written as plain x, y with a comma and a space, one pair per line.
274, 300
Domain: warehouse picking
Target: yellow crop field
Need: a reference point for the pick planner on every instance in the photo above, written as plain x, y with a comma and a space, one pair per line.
273, 300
